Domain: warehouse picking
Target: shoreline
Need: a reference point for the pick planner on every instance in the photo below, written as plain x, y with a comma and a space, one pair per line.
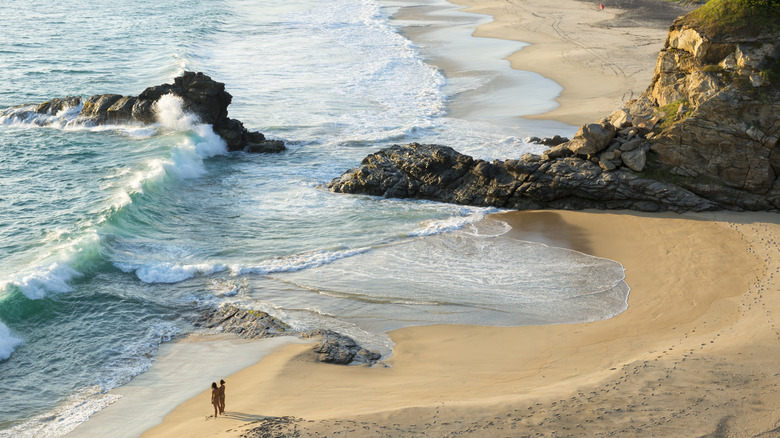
181, 370
481, 84
613, 51
682, 357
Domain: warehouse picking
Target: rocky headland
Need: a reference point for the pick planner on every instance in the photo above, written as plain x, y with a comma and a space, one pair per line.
201, 96
703, 136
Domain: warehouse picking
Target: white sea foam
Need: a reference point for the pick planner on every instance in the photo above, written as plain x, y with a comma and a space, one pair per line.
66, 417
186, 160
39, 281
170, 272
8, 342
171, 116
296, 262
68, 119
131, 360
167, 272
468, 215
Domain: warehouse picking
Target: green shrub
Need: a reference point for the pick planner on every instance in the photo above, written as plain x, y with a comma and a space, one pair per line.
670, 114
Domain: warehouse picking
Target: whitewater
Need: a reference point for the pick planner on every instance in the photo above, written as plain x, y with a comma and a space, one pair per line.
113, 238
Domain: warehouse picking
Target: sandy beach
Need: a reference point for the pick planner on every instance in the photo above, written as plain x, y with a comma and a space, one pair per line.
695, 354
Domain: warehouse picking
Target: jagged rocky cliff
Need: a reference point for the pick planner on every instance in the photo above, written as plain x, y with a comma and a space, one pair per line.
703, 136
201, 96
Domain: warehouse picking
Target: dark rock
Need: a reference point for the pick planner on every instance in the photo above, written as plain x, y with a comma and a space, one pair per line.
200, 95
273, 427
266, 146
121, 110
96, 107
56, 105
340, 349
253, 324
439, 173
549, 141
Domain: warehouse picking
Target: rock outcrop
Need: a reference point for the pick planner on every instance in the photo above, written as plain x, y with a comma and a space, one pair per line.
703, 136
439, 173
200, 95
332, 347
340, 349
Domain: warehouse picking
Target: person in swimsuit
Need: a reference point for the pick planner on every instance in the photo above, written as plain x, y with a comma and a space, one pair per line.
221, 396
215, 397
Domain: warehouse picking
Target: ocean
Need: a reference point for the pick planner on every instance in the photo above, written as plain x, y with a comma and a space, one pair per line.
113, 237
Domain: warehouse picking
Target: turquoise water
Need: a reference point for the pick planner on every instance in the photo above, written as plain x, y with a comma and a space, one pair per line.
112, 237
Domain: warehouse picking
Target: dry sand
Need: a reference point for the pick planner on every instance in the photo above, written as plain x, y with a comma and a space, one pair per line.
696, 353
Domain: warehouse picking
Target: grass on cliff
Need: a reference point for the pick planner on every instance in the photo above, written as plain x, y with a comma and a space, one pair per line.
671, 115
739, 18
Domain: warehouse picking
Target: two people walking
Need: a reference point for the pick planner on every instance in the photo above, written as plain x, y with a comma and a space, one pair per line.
218, 397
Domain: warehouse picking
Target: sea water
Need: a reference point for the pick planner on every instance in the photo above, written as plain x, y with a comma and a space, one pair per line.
113, 237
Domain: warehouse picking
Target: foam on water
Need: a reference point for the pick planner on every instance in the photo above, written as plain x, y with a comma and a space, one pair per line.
8, 342
468, 215
185, 162
163, 271
63, 419
379, 89
168, 272
68, 119
54, 277
130, 360
499, 280
297, 262
54, 272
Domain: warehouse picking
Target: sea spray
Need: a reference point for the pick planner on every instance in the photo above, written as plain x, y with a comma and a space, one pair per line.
8, 342
186, 159
168, 272
54, 272
54, 277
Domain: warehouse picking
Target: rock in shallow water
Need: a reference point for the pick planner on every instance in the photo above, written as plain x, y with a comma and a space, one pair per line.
333, 347
200, 95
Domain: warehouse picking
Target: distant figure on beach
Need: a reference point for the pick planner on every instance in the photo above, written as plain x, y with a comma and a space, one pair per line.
215, 397
221, 396
601, 6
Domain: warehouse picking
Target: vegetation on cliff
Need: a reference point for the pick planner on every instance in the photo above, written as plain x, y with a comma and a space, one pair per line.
735, 18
